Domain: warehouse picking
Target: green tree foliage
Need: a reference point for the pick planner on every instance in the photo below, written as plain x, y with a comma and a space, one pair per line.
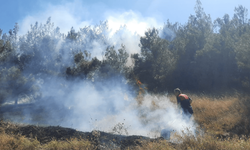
205, 55
191, 38
242, 44
6, 51
14, 84
199, 55
219, 58
114, 63
84, 66
242, 56
44, 52
215, 64
155, 63
116, 60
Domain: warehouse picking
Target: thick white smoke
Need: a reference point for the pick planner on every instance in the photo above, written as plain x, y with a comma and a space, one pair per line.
107, 105
110, 106
86, 105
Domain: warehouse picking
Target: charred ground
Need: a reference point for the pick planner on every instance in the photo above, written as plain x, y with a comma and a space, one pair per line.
99, 139
223, 120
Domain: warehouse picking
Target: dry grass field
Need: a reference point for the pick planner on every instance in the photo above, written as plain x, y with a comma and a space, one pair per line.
17, 142
224, 120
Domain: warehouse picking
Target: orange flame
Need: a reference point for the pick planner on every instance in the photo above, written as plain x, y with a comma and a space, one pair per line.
141, 92
139, 82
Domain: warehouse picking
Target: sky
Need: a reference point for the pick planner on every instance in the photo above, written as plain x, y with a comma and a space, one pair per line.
138, 15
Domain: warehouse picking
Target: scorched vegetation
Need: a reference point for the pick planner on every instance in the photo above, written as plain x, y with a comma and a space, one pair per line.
51, 78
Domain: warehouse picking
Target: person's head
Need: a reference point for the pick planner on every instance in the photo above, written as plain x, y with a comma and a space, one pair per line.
177, 91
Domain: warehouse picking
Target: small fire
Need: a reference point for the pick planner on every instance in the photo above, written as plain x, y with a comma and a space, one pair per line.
138, 82
141, 92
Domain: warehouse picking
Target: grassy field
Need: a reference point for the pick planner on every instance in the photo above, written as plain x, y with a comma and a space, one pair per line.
224, 120
17, 142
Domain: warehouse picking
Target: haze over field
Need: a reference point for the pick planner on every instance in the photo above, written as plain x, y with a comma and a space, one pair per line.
102, 66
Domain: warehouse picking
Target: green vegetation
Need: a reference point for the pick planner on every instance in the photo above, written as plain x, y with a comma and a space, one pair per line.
204, 55
201, 55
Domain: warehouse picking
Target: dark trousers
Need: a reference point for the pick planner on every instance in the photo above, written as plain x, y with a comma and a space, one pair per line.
186, 114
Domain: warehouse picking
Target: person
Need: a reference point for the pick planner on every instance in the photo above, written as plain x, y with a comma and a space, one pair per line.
184, 102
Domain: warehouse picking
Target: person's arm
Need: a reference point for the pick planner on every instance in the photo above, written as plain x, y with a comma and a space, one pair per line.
190, 100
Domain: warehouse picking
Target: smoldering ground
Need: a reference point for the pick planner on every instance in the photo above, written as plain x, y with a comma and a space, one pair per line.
109, 106
89, 102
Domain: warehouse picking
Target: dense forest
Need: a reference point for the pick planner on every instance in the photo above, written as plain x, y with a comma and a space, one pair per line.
200, 55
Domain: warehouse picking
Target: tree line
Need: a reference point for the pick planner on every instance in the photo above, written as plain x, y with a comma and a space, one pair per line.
200, 55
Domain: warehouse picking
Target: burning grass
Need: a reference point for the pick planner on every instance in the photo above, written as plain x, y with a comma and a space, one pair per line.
224, 121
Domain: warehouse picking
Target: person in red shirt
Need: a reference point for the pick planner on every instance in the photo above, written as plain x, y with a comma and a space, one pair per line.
184, 102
